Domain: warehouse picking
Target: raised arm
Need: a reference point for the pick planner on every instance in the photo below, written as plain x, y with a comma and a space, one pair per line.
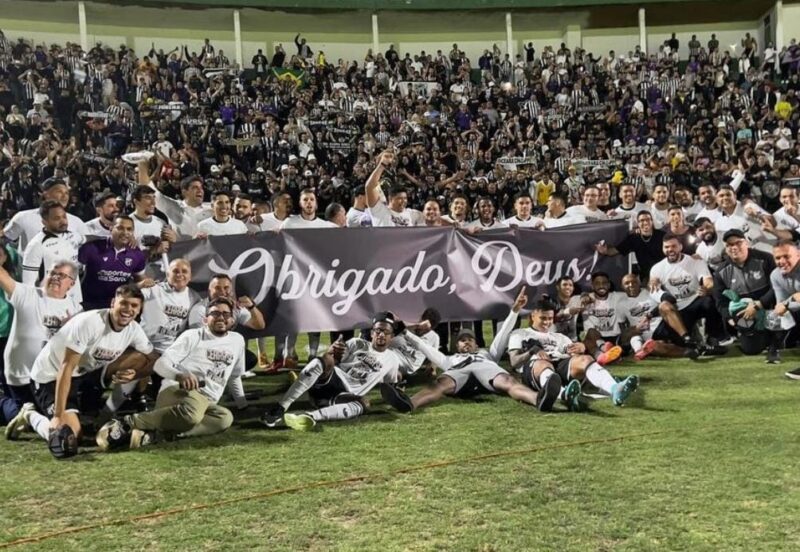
373, 186
500, 341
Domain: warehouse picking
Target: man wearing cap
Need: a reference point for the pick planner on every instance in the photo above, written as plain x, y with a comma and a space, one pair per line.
26, 224
743, 292
106, 207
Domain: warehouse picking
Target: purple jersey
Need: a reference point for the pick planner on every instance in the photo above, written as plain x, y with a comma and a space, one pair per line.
105, 269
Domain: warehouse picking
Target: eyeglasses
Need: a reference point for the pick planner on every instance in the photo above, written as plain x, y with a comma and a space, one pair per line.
61, 275
731, 245
220, 314
383, 331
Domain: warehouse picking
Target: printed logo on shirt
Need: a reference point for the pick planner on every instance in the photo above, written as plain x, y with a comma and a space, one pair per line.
365, 364
104, 355
53, 323
683, 285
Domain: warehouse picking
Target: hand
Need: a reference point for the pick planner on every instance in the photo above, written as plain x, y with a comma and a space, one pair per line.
767, 226
586, 300
424, 327
201, 235
796, 297
337, 349
386, 158
520, 301
542, 355
146, 283
123, 376
780, 309
256, 219
245, 302
188, 382
168, 234
56, 422
575, 310
601, 248
162, 247
576, 348
655, 285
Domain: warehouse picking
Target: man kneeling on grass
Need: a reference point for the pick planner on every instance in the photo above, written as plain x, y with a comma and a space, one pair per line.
472, 367
197, 368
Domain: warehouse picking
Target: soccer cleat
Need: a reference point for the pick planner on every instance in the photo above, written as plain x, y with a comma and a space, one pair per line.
299, 422
646, 350
396, 398
793, 374
273, 417
773, 356
609, 356
621, 391
727, 341
572, 397
140, 438
114, 435
713, 351
548, 395
20, 422
606, 347
248, 374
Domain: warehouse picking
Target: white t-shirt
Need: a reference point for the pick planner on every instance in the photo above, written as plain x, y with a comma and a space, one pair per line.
37, 318
165, 314
296, 221
362, 367
182, 216
357, 218
383, 216
554, 344
416, 358
45, 250
566, 323
660, 216
198, 313
95, 228
530, 222
90, 335
629, 214
751, 228
215, 360
588, 214
711, 254
142, 228
604, 315
270, 222
681, 279
784, 220
478, 224
26, 224
634, 310
213, 228
564, 220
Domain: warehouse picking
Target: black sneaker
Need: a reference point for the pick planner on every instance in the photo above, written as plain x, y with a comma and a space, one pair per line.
793, 374
114, 435
396, 398
773, 356
713, 351
274, 416
693, 353
548, 395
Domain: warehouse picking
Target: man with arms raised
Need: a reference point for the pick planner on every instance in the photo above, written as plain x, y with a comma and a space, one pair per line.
395, 213
85, 348
183, 214
196, 369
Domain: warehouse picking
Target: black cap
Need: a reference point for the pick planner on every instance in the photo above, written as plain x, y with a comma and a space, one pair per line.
465, 332
733, 233
52, 182
384, 316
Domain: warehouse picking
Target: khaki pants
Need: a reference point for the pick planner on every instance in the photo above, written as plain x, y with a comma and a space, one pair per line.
189, 413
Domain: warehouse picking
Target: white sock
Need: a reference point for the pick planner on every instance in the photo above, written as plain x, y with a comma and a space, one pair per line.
600, 377
40, 424
308, 377
637, 343
119, 394
313, 344
338, 412
545, 376
262, 346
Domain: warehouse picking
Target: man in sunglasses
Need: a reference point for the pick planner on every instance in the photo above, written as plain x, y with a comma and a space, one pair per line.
339, 381
197, 368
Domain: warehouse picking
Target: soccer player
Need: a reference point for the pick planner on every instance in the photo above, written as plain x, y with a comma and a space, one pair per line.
84, 351
39, 312
553, 365
470, 364
196, 369
523, 205
222, 222
308, 214
601, 319
339, 381
486, 219
183, 214
281, 209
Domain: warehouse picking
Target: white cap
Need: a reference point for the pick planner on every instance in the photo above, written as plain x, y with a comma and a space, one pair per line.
617, 143
217, 121
260, 170
215, 169
284, 167
292, 158
311, 157
236, 188
651, 141
308, 173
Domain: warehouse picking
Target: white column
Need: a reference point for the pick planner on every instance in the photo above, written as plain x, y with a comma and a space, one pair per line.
237, 39
642, 31
509, 37
376, 42
82, 26
778, 24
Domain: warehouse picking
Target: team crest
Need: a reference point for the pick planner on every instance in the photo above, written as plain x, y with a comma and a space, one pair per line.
128, 262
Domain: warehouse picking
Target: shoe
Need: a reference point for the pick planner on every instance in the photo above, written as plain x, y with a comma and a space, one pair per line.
248, 374
273, 417
114, 435
610, 356
773, 356
299, 422
572, 397
396, 398
20, 422
140, 438
727, 342
548, 395
713, 351
646, 349
793, 374
263, 361
693, 353
292, 376
290, 363
621, 391
274, 367
606, 347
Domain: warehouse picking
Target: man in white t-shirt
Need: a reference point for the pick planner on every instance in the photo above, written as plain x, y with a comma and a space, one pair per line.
151, 232
601, 320
628, 207
197, 368
281, 209
486, 219
688, 284
222, 222
395, 213
308, 214
24, 225
39, 312
523, 205
556, 214
589, 210
659, 206
89, 349
105, 205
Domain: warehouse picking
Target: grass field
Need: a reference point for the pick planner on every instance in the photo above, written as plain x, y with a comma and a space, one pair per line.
703, 458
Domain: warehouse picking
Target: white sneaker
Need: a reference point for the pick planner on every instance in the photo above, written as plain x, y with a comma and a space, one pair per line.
20, 422
727, 342
140, 438
249, 374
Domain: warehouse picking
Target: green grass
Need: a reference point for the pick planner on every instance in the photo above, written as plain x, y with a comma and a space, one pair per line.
704, 458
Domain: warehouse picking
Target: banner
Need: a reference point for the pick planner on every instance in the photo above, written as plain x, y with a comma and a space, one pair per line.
336, 279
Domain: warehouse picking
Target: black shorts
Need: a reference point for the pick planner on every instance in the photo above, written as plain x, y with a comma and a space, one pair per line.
560, 367
324, 393
44, 394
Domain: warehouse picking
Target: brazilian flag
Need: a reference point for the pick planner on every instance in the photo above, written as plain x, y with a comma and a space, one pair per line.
297, 76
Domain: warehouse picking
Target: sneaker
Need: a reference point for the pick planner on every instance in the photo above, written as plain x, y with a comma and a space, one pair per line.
572, 397
606, 347
273, 417
646, 349
773, 356
20, 422
693, 353
140, 438
727, 342
713, 351
793, 374
248, 374
290, 363
114, 435
274, 367
548, 395
299, 422
609, 356
621, 391
396, 398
